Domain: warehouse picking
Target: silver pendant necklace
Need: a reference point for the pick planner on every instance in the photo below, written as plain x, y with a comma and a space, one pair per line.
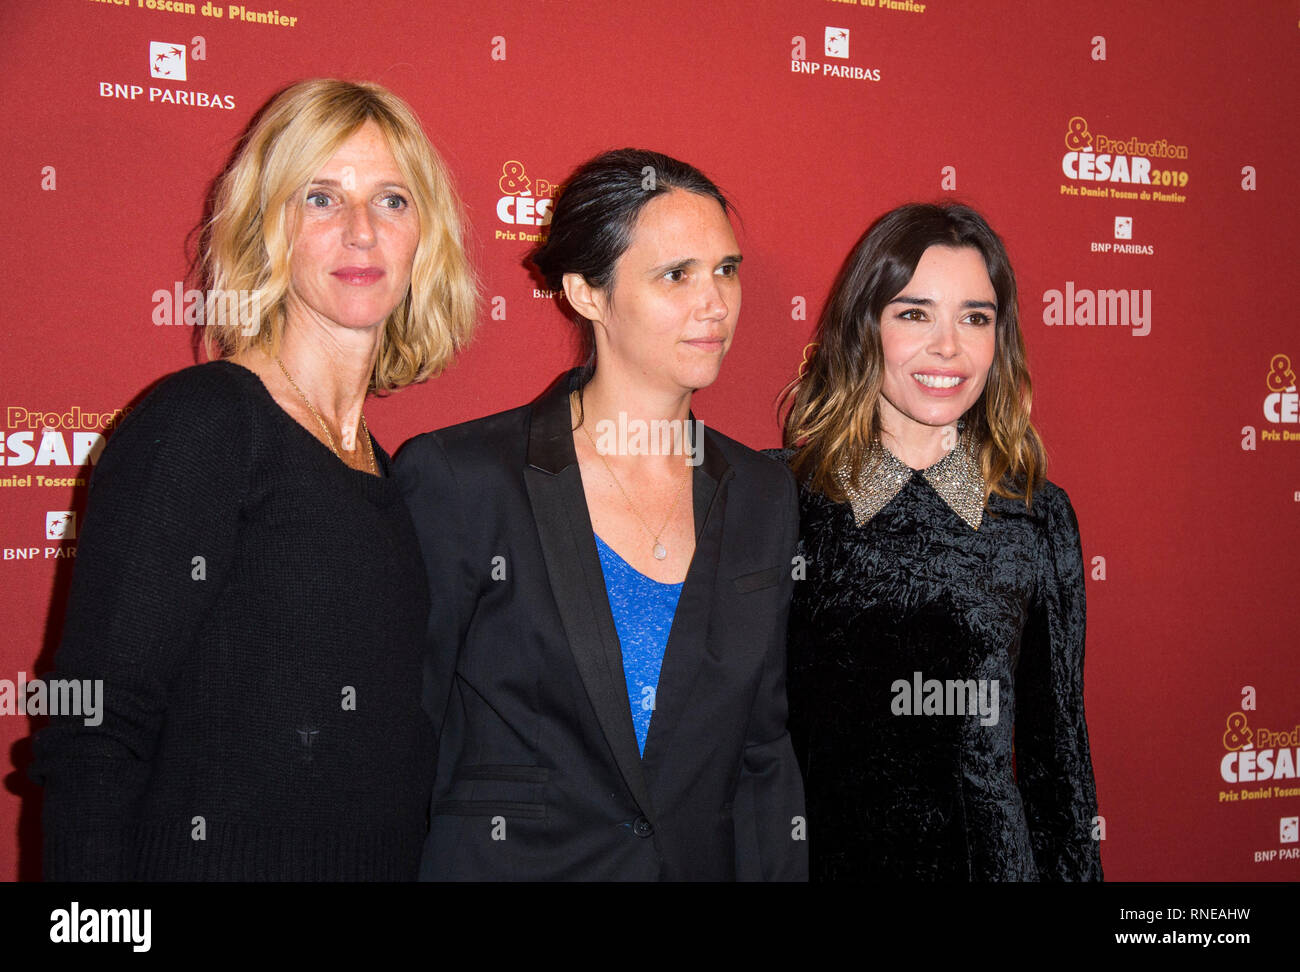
659, 551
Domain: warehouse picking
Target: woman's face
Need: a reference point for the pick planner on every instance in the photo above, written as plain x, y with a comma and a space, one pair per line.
354, 238
671, 310
938, 339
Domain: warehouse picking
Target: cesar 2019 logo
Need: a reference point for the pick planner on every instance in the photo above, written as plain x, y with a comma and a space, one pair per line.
1257, 755
72, 438
1282, 404
1099, 158
524, 201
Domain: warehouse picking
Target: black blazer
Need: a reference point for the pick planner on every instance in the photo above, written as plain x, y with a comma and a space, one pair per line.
539, 776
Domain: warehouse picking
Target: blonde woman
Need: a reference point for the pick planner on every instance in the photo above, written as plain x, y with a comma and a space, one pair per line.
941, 622
248, 586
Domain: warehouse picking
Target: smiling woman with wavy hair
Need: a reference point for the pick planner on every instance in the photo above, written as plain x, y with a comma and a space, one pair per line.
941, 621
835, 405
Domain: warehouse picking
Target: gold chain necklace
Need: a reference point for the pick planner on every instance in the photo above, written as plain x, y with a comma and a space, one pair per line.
659, 550
329, 436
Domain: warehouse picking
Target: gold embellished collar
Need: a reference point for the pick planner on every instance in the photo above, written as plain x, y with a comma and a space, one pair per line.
956, 478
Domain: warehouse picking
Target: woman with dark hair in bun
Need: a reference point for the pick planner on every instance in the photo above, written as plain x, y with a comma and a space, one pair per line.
610, 579
936, 645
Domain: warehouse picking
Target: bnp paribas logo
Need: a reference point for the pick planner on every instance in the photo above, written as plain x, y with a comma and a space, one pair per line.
167, 61
835, 47
837, 42
60, 525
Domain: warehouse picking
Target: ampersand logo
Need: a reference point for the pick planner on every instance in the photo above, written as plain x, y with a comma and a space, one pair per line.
1237, 735
513, 182
1077, 137
1280, 375
803, 365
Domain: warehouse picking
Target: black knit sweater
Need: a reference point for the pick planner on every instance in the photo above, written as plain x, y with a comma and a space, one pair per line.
261, 713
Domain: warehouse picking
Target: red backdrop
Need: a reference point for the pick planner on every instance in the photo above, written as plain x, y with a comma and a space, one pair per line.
1174, 429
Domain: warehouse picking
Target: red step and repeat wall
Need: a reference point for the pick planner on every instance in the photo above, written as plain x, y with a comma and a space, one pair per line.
1139, 159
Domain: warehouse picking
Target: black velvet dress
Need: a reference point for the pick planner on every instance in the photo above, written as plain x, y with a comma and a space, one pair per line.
897, 636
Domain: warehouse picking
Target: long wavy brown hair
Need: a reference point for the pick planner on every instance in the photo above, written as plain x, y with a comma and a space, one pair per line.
834, 405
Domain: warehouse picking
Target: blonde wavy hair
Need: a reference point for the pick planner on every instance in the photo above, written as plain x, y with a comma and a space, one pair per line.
834, 405
247, 244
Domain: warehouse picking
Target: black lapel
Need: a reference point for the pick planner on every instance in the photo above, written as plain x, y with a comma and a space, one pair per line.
690, 631
554, 485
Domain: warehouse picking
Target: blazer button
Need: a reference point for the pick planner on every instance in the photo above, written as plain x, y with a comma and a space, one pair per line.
642, 827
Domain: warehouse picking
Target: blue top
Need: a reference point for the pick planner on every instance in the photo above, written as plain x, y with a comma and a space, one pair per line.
643, 612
